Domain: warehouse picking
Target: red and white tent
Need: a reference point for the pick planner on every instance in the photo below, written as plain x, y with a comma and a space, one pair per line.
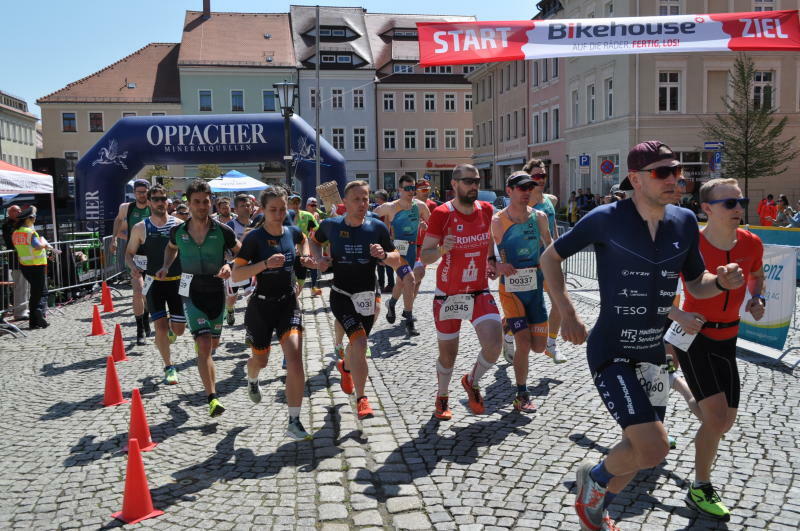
15, 180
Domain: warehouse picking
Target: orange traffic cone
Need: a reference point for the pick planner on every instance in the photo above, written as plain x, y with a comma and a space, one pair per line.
105, 299
97, 323
138, 429
118, 350
113, 394
137, 504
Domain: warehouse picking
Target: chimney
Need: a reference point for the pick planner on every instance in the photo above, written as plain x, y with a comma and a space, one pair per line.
206, 9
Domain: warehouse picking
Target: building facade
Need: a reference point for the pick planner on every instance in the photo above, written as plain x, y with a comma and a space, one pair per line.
17, 131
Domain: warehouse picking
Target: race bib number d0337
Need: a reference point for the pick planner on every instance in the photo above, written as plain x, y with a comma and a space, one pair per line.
457, 307
522, 280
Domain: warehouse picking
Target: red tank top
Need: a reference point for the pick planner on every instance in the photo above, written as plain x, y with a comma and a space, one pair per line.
724, 308
431, 206
463, 269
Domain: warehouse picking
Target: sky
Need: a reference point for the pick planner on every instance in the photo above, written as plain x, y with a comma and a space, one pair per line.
50, 43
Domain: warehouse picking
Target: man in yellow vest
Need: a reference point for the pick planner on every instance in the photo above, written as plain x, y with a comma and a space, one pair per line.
32, 251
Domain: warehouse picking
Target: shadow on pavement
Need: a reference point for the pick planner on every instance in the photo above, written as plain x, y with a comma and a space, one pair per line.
59, 410
381, 345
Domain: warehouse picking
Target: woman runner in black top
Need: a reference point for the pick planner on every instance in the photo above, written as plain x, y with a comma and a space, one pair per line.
268, 253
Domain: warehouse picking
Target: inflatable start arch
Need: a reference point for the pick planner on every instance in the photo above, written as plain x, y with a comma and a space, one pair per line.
133, 142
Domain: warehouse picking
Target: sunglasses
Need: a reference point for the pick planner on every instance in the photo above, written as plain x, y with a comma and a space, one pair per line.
682, 183
410, 188
470, 181
159, 199
525, 187
312, 204
731, 203
664, 172
539, 176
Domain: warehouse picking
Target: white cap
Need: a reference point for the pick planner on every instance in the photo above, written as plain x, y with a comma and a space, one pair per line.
311, 199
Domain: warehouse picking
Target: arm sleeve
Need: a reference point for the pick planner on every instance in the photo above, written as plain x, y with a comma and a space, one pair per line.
694, 265
249, 250
436, 224
321, 234
229, 235
585, 232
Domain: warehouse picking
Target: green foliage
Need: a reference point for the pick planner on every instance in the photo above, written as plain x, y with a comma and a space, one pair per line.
209, 171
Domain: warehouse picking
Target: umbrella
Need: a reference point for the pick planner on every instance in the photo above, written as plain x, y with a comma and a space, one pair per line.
235, 181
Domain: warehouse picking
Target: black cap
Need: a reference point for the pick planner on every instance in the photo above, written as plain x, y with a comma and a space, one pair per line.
646, 156
29, 212
518, 178
141, 182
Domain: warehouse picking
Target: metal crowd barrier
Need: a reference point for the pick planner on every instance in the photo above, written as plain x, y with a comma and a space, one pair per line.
582, 264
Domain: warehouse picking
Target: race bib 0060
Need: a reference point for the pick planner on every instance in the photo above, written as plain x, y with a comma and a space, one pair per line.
655, 382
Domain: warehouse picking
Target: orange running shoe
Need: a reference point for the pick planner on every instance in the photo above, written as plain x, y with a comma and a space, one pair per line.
474, 395
363, 408
442, 411
346, 379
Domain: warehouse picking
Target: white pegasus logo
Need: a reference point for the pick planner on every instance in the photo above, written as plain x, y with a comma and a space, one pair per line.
110, 155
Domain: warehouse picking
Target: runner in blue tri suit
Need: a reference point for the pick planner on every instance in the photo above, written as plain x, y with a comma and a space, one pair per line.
642, 245
405, 216
357, 244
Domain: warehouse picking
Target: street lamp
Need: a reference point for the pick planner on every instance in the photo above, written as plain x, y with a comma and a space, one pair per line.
286, 92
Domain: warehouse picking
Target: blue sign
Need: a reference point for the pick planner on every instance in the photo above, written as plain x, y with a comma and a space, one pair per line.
718, 158
133, 142
711, 146
584, 160
427, 176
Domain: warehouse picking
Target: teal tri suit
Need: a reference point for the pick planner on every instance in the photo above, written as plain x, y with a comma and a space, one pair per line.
405, 227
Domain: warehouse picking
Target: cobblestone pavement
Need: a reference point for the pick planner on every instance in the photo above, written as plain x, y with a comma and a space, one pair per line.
62, 465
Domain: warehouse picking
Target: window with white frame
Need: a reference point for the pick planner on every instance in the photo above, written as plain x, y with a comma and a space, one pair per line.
516, 124
575, 108
337, 138
468, 69
545, 125
535, 74
410, 139
389, 139
669, 88
450, 139
467, 102
313, 98
128, 113
609, 9
72, 160
609, 87
95, 122
669, 7
555, 69
430, 139
358, 98
763, 5
536, 131
763, 89
467, 138
204, 97
337, 98
450, 103
237, 101
359, 138
590, 104
328, 57
403, 69
409, 102
268, 100
545, 70
430, 102
556, 124
388, 102
344, 58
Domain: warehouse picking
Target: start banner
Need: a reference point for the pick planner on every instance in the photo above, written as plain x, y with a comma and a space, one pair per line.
449, 43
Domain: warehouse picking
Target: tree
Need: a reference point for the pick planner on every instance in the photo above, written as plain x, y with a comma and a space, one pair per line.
157, 170
753, 146
208, 171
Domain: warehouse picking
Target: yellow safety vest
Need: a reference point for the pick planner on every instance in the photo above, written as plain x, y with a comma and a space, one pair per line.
28, 256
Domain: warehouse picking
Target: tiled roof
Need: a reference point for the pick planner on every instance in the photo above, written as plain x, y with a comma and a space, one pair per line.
152, 69
237, 39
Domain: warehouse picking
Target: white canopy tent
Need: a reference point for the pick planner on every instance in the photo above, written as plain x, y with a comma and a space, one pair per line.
235, 181
15, 180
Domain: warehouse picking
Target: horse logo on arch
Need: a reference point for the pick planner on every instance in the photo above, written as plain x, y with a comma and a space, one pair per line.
110, 155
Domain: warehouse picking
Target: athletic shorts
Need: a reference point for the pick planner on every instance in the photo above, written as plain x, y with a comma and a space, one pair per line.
263, 317
411, 255
300, 271
163, 294
624, 394
355, 325
205, 310
523, 310
484, 309
710, 367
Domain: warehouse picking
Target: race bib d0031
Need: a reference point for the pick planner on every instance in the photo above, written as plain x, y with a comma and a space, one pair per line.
364, 302
457, 307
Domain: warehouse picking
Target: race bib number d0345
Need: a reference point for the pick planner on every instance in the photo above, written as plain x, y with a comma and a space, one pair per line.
457, 307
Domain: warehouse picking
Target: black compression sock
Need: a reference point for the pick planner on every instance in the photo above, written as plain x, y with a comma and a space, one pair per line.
211, 397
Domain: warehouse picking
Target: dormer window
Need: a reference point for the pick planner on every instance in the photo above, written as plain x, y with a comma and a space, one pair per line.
328, 57
324, 32
337, 33
438, 69
403, 69
405, 33
345, 59
333, 33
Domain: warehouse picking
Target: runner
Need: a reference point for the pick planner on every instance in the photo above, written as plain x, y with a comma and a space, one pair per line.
202, 288
223, 214
150, 237
357, 244
405, 216
307, 224
642, 245
547, 204
459, 233
311, 208
268, 253
423, 194
239, 224
709, 358
130, 214
520, 232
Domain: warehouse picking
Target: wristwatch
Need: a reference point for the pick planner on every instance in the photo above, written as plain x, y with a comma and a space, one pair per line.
719, 286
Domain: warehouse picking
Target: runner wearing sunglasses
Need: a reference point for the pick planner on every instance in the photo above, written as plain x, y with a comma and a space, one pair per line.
406, 215
642, 245
708, 355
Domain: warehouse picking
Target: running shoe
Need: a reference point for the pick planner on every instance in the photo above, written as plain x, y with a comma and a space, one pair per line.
283, 363
508, 347
316, 292
411, 330
231, 317
391, 316
296, 431
171, 336
442, 410
524, 403
215, 408
346, 380
140, 335
673, 442
254, 392
369, 352
146, 322
170, 375
551, 351
474, 395
706, 501
339, 350
589, 500
364, 409
609, 524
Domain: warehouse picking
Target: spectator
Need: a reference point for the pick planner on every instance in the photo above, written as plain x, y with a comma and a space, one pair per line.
21, 286
311, 206
572, 209
581, 201
767, 209
182, 212
170, 207
32, 250
784, 213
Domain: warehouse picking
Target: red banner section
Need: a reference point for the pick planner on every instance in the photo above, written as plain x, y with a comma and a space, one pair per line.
453, 43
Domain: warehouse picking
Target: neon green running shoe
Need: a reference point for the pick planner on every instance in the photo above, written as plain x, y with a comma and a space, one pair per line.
171, 336
706, 501
296, 431
369, 352
215, 408
170, 375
